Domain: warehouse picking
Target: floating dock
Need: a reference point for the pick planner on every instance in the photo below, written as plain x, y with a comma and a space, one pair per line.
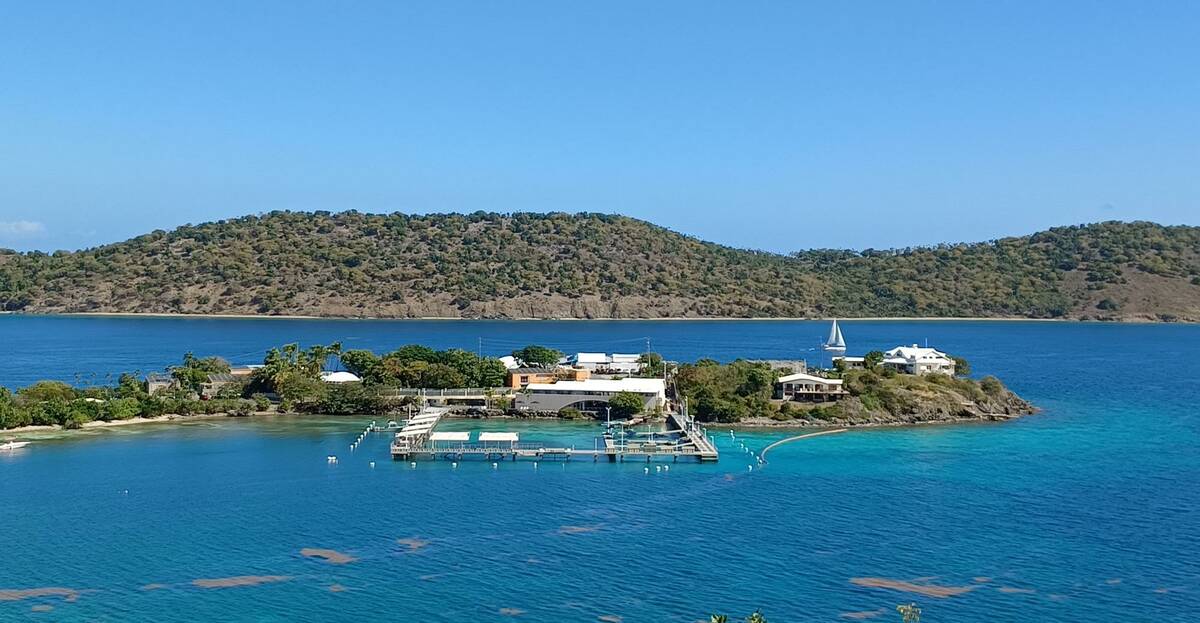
684, 438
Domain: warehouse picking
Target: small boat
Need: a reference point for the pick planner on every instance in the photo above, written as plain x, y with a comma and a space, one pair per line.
13, 445
835, 342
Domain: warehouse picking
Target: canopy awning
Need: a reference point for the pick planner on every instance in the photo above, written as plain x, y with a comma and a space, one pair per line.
450, 436
498, 436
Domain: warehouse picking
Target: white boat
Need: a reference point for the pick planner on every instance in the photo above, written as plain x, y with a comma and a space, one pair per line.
835, 342
13, 445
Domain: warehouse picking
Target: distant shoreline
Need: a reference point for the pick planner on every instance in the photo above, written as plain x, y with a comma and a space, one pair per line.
531, 319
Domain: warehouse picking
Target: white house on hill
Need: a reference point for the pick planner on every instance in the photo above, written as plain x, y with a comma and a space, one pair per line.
808, 388
916, 360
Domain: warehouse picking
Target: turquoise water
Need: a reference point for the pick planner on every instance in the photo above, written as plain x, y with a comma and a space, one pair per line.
1089, 511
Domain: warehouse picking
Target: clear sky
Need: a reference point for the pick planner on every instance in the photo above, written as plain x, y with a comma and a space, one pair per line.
774, 125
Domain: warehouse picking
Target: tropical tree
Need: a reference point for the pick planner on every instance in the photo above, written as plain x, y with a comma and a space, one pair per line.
652, 364
626, 404
537, 356
872, 359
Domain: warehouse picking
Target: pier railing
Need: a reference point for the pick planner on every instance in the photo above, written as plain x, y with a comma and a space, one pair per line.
460, 392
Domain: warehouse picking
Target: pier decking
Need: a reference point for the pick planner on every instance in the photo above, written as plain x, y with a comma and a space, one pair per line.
683, 439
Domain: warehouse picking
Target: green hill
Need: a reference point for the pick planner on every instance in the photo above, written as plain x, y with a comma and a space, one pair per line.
599, 266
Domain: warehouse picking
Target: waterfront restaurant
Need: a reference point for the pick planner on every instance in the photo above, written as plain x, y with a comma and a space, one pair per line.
808, 388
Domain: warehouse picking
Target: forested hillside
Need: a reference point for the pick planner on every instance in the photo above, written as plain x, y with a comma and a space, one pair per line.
598, 266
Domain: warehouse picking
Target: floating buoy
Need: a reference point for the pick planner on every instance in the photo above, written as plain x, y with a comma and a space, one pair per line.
413, 464
535, 464
495, 465
749, 468
647, 469
666, 468
372, 464
454, 465
657, 468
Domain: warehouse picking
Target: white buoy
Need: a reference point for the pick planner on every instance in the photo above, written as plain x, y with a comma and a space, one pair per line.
749, 468
413, 464
372, 464
535, 464
454, 465
495, 465
647, 469
657, 468
666, 468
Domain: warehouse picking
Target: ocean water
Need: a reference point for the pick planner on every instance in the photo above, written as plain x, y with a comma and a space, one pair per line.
1089, 511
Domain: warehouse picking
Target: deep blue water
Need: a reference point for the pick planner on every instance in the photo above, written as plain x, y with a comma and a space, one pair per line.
1089, 511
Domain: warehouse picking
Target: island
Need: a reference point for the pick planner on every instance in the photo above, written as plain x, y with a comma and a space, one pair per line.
592, 266
904, 385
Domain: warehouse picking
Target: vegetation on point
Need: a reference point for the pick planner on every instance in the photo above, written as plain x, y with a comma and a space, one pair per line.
291, 373
744, 390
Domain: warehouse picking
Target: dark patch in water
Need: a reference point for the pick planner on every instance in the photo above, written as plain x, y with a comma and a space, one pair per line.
240, 580
17, 594
577, 529
928, 590
413, 544
328, 555
862, 615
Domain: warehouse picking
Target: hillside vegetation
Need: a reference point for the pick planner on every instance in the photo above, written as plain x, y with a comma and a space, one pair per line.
487, 265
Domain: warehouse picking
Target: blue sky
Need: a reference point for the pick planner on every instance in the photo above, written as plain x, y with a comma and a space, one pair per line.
772, 125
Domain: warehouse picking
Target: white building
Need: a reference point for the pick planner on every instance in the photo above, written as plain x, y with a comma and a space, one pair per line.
808, 388
616, 363
851, 363
590, 395
510, 362
916, 360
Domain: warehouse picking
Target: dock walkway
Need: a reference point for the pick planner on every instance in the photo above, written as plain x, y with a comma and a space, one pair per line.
684, 439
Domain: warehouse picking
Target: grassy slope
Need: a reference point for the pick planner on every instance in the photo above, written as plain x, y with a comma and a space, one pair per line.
598, 266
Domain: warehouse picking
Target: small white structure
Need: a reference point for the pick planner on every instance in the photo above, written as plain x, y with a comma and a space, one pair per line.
616, 363
808, 388
499, 440
510, 362
851, 363
589, 395
339, 377
917, 360
451, 436
588, 361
